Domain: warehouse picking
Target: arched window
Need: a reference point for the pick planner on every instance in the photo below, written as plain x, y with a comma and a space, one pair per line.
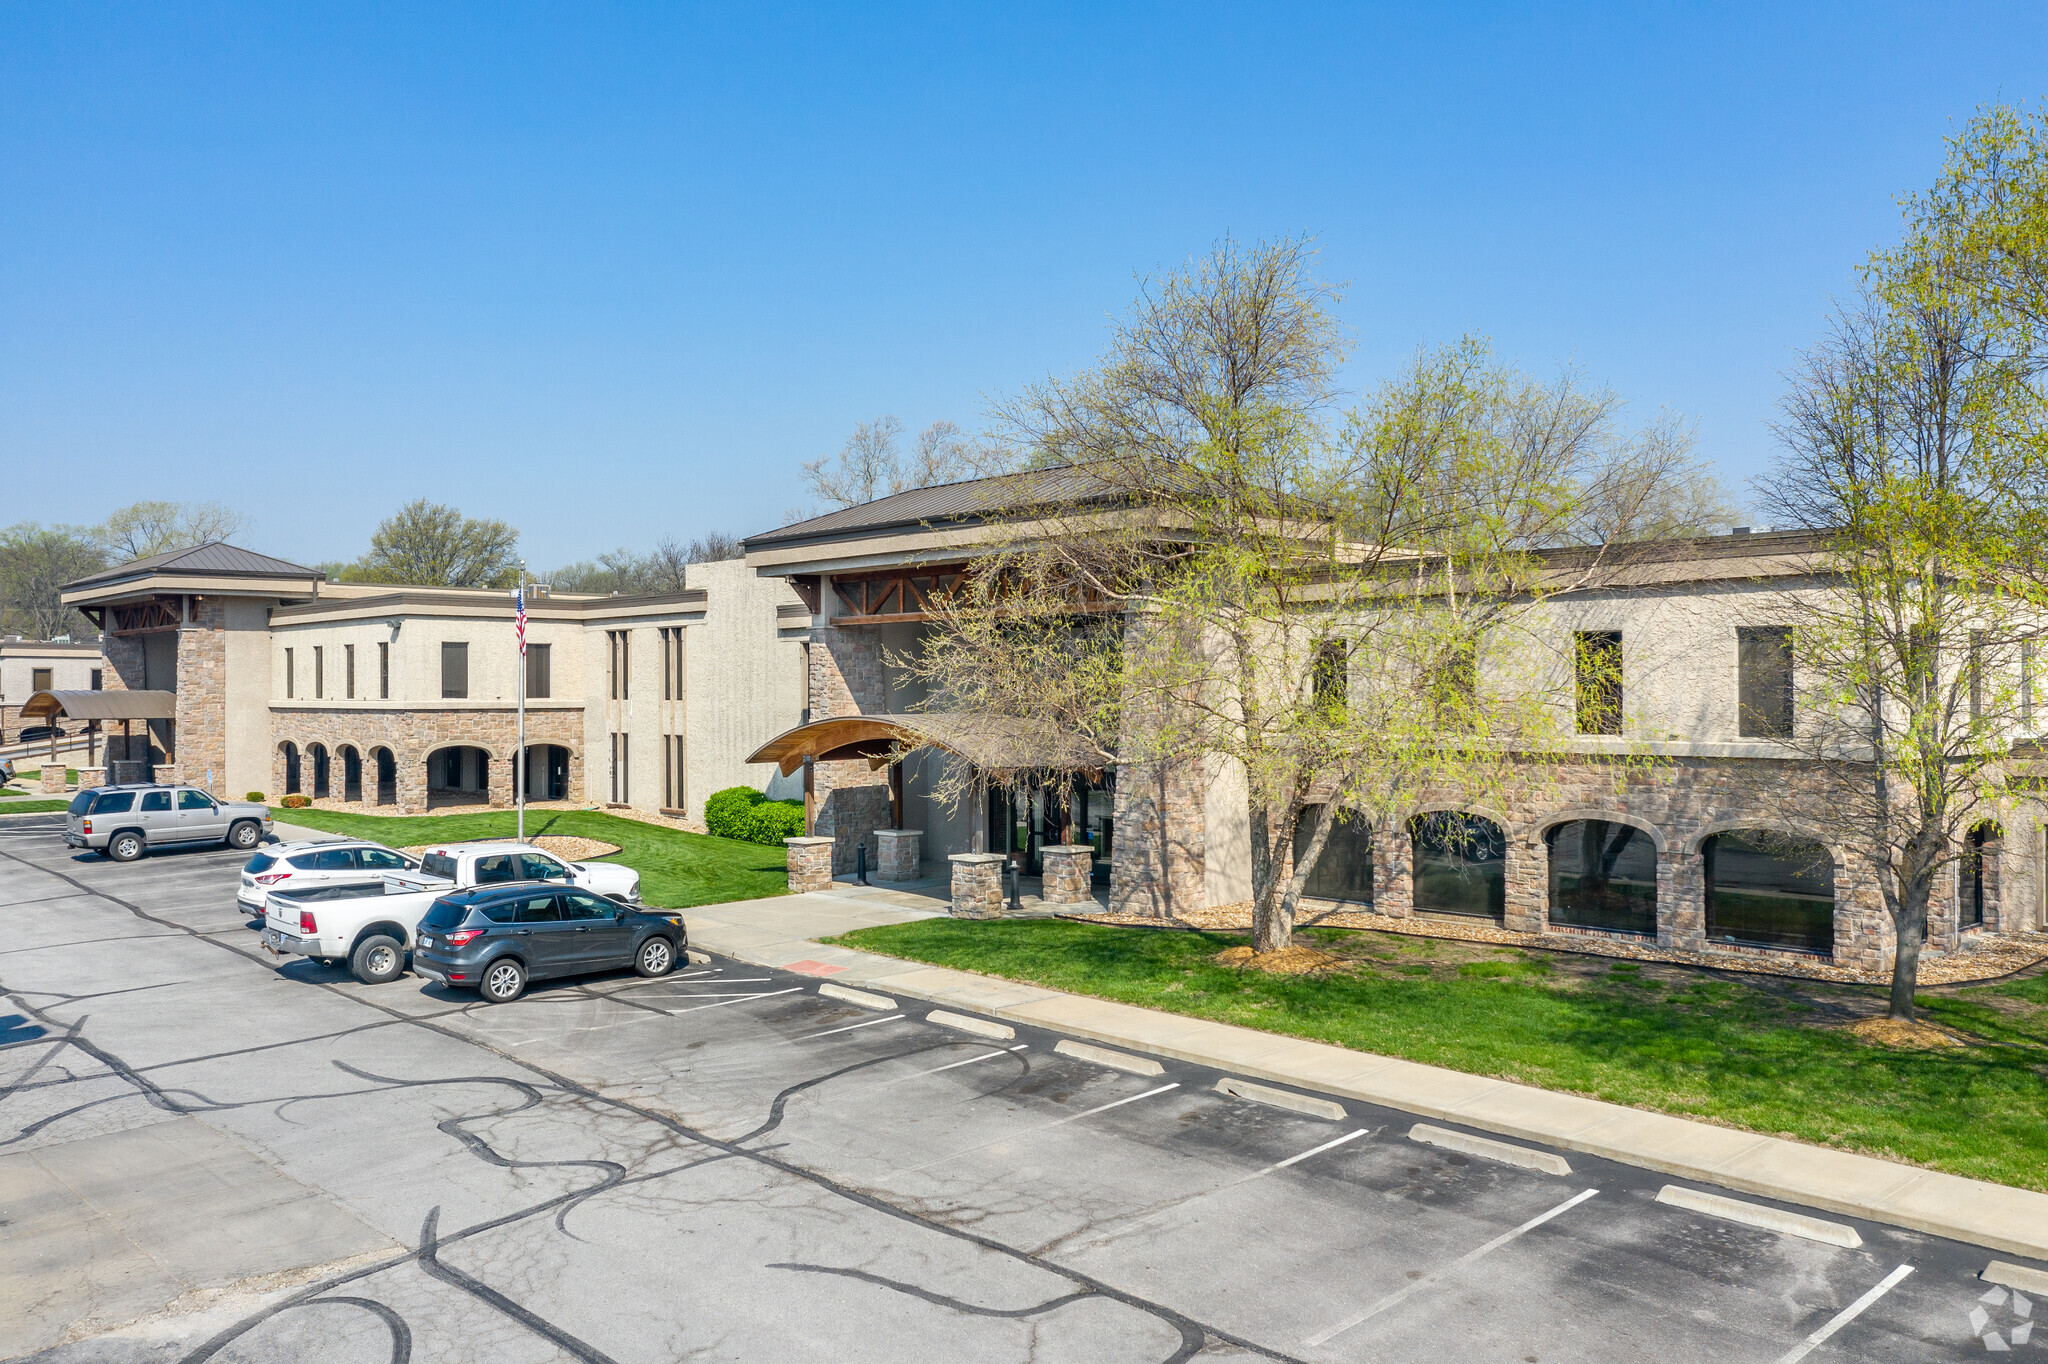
1765, 890
1460, 864
318, 753
291, 768
387, 776
1603, 875
1344, 871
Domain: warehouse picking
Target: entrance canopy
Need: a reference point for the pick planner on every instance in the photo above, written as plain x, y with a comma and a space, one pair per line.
101, 705
990, 743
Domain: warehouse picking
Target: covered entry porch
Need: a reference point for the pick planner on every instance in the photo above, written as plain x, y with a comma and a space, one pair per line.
130, 756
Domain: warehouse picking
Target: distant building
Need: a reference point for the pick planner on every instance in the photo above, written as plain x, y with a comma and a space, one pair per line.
404, 698
28, 666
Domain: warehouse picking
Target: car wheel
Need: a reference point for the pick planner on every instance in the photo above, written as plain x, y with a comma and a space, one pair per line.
377, 959
125, 847
245, 835
504, 981
657, 957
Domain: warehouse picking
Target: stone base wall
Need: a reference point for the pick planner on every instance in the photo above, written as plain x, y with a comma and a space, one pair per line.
202, 732
850, 799
412, 738
1068, 874
1158, 860
902, 854
810, 864
978, 885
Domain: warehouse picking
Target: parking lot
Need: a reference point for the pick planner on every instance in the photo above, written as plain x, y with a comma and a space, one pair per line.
204, 1156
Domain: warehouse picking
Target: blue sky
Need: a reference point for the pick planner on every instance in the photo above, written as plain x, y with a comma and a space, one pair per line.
611, 271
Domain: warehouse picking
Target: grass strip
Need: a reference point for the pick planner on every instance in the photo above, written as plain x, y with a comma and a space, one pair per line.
1693, 1043
677, 869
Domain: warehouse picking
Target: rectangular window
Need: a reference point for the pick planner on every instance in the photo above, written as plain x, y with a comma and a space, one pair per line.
1764, 681
674, 790
2027, 683
618, 663
1598, 665
672, 663
384, 672
96, 679
348, 661
621, 778
39, 679
1330, 679
1976, 675
540, 671
454, 671
288, 674
319, 671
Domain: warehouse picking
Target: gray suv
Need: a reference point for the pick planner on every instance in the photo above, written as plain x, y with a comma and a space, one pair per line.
124, 822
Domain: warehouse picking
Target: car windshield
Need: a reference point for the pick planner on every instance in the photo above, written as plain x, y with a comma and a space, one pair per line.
114, 803
82, 802
444, 915
438, 864
260, 863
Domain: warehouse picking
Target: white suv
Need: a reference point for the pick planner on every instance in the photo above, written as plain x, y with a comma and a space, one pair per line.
292, 866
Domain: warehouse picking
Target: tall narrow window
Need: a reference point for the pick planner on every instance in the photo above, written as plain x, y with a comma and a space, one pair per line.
2027, 683
454, 670
1763, 657
348, 668
618, 664
667, 666
1329, 679
675, 787
540, 672
319, 671
288, 674
95, 679
1976, 674
1598, 665
384, 672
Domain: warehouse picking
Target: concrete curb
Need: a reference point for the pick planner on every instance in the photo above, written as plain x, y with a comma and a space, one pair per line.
1974, 1211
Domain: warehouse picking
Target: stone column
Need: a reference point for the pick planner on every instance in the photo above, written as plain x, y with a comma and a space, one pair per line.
91, 776
810, 864
1393, 864
53, 776
977, 885
1068, 876
1526, 905
901, 853
169, 774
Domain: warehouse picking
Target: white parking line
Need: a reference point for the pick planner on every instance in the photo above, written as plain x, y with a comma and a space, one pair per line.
950, 1065
872, 1022
765, 994
1495, 1244
1140, 1223
1043, 1127
1313, 1151
692, 975
1844, 1317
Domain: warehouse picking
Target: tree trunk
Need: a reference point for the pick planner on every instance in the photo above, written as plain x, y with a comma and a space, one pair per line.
1272, 927
1908, 924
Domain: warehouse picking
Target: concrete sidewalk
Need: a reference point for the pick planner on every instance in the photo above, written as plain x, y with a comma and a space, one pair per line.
782, 933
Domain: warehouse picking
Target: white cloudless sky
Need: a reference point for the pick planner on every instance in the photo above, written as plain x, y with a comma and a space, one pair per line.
611, 271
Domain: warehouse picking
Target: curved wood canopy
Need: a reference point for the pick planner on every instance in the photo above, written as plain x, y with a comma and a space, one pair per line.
990, 744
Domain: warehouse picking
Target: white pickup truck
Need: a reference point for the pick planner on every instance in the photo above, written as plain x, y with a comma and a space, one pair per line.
371, 926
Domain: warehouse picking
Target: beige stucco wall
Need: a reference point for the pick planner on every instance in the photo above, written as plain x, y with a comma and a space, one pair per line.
248, 696
745, 681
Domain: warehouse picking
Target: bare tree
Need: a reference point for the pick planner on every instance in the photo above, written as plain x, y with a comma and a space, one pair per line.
35, 563
1336, 605
871, 464
141, 529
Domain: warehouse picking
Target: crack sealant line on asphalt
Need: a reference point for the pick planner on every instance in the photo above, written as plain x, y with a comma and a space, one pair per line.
1403, 1294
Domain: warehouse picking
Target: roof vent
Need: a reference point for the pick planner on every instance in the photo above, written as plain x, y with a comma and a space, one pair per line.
1742, 530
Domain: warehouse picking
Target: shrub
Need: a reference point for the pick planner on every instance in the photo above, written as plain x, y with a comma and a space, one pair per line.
256, 796
295, 802
743, 813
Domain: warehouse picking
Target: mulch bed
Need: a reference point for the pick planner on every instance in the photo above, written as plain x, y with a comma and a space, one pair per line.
561, 845
1987, 957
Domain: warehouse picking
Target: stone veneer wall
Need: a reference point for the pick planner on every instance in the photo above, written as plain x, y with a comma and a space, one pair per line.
413, 735
202, 733
850, 799
1158, 855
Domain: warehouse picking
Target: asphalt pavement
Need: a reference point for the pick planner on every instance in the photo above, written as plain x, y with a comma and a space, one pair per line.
204, 1155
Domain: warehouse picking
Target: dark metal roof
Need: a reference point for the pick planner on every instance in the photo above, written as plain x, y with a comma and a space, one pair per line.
213, 557
975, 499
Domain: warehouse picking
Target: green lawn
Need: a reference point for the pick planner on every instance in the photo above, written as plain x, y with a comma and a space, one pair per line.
35, 776
677, 870
1769, 1056
32, 807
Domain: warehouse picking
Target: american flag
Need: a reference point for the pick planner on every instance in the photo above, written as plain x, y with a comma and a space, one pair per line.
519, 615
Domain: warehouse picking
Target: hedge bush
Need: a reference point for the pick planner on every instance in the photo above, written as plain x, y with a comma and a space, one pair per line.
743, 813
256, 796
295, 802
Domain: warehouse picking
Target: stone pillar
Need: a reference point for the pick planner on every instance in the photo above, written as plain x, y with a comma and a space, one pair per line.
54, 780
170, 774
497, 787
901, 853
978, 885
91, 776
1069, 878
1393, 864
1525, 906
810, 864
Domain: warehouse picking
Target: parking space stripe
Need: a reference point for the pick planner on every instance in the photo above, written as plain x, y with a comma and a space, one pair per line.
1844, 1317
1315, 1151
1467, 1258
951, 1065
872, 1022
765, 994
1042, 1127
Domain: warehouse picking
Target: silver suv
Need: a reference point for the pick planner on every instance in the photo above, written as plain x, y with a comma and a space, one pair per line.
124, 822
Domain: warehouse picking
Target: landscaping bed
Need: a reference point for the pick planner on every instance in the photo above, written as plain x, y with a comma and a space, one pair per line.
1769, 1054
677, 869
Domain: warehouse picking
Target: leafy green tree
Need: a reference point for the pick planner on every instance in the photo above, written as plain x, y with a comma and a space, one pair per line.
429, 544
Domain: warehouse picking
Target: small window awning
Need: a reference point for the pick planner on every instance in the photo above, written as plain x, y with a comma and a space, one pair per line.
101, 705
991, 744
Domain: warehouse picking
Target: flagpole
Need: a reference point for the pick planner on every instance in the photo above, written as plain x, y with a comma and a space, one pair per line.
519, 758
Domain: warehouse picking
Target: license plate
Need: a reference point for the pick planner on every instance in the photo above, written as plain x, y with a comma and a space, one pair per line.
270, 942
426, 942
